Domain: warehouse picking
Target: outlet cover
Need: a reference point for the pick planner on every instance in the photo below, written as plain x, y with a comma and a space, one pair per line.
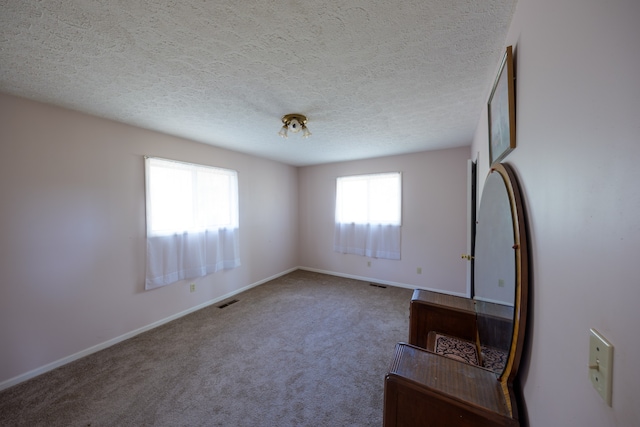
192, 287
600, 365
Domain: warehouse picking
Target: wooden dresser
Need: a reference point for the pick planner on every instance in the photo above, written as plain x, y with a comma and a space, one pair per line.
426, 389
463, 354
433, 311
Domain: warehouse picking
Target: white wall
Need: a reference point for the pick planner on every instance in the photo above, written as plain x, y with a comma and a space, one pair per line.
578, 131
433, 225
72, 251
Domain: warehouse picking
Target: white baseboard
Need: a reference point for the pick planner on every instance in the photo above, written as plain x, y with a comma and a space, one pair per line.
382, 282
68, 359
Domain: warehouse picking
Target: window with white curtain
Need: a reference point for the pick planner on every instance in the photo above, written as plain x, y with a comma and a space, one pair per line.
192, 220
369, 215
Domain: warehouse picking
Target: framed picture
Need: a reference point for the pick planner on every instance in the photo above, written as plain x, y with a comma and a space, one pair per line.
502, 111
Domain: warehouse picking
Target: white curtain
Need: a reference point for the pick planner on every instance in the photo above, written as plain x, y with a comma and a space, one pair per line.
192, 221
371, 240
175, 257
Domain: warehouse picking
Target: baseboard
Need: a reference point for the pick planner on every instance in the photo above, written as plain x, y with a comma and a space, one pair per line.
383, 282
68, 359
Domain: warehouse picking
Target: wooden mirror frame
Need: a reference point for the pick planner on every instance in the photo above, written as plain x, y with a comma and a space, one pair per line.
521, 280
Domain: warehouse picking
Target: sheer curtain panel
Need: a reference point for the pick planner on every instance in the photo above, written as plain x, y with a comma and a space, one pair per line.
192, 221
369, 215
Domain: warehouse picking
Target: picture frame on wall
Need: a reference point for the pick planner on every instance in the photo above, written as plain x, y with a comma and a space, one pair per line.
502, 111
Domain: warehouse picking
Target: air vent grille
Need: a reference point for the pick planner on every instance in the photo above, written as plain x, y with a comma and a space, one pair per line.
227, 304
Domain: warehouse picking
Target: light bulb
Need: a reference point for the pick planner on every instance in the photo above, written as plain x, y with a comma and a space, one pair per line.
294, 126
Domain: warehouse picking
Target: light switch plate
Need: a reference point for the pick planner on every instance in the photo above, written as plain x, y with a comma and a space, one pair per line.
600, 364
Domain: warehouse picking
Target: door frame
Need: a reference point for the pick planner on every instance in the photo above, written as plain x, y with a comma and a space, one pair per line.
472, 193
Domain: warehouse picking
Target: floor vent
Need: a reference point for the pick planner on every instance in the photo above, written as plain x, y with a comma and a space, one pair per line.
377, 286
227, 304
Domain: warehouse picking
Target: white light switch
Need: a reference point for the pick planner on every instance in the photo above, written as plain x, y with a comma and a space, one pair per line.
600, 365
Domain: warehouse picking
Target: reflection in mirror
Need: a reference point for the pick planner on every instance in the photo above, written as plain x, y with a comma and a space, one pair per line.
495, 271
494, 259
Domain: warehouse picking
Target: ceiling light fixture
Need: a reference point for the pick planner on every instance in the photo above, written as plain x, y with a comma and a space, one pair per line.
294, 123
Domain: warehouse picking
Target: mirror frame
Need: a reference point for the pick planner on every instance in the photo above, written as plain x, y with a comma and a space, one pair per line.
522, 276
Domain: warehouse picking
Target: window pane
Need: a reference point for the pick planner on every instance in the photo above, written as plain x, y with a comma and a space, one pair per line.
384, 205
186, 197
171, 205
369, 199
354, 201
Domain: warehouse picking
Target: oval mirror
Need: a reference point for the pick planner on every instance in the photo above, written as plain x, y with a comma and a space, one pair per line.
500, 272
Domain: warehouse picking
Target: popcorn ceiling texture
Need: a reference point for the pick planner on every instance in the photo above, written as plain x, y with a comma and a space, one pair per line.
375, 78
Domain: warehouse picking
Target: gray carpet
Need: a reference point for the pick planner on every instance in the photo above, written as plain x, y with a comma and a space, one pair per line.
305, 349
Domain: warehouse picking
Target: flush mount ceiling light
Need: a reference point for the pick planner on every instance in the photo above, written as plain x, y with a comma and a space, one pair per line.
294, 123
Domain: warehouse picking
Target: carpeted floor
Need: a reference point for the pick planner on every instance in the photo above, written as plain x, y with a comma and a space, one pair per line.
305, 349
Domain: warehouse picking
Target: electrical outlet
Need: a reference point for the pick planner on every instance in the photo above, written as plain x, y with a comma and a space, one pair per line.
368, 263
419, 270
600, 365
501, 283
192, 287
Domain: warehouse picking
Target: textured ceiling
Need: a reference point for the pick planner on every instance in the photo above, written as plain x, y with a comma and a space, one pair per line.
375, 78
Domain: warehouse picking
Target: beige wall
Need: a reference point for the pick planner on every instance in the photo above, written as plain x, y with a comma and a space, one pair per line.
578, 130
72, 251
433, 220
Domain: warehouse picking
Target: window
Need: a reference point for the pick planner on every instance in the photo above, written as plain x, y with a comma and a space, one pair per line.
369, 215
192, 220
369, 199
